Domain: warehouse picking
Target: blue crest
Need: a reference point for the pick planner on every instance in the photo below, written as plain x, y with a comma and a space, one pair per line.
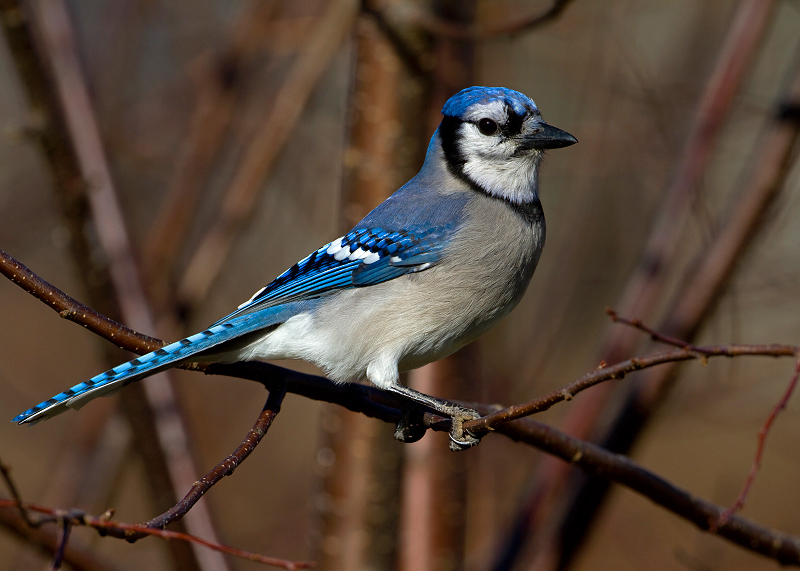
464, 99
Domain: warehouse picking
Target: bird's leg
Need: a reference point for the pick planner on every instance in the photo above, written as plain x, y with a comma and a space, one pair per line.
459, 438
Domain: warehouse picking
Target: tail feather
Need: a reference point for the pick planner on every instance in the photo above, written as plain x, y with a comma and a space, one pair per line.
114, 379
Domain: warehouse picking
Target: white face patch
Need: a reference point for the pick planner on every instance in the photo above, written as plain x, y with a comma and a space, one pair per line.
491, 163
496, 158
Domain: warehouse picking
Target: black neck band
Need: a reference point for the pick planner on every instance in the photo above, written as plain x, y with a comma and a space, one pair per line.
531, 211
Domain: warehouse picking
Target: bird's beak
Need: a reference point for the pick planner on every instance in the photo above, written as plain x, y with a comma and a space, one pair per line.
545, 136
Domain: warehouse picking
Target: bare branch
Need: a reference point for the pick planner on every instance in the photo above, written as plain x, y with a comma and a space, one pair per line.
64, 527
762, 439
46, 540
105, 526
619, 370
224, 468
73, 310
591, 458
620, 469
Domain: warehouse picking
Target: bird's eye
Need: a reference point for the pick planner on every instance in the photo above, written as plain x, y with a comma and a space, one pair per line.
487, 126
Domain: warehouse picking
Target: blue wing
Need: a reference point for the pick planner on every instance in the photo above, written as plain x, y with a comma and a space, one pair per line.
364, 257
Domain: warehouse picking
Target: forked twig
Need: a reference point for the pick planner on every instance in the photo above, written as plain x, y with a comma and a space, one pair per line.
105, 526
763, 432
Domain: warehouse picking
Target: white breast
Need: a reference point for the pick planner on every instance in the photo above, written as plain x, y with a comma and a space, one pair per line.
376, 331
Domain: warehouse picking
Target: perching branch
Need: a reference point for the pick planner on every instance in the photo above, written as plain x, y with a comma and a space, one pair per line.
376, 403
619, 370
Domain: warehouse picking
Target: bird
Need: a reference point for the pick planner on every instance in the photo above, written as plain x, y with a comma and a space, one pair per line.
426, 272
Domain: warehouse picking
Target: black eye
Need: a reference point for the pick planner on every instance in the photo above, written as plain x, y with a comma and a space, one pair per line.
487, 126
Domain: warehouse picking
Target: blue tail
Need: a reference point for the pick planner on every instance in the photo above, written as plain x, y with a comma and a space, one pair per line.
112, 380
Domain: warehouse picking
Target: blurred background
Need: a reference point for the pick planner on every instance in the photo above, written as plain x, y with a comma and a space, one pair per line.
214, 144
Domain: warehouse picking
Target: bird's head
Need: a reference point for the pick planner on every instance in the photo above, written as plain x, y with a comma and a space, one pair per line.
494, 138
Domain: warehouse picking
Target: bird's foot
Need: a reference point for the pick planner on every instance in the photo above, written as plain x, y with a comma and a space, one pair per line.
410, 427
461, 439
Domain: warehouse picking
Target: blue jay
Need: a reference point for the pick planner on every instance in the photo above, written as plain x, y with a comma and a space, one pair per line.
426, 272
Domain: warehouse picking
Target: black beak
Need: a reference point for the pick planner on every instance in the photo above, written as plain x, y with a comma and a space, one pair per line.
547, 137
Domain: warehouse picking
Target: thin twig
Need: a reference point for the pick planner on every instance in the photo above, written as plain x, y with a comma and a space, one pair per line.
12, 487
64, 527
763, 433
71, 309
227, 466
104, 525
619, 370
654, 335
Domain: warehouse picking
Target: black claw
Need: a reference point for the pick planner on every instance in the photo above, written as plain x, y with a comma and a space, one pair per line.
410, 427
459, 445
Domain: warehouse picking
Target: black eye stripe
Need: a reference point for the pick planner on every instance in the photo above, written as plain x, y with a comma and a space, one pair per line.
513, 126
